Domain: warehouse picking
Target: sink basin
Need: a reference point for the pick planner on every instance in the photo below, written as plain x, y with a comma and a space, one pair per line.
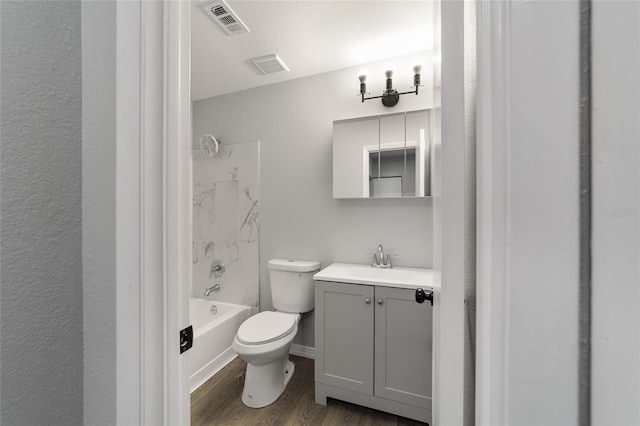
365, 274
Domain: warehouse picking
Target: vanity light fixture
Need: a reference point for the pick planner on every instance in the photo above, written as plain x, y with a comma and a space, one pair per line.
390, 96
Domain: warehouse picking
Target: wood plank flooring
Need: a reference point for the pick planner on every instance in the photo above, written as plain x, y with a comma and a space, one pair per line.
218, 402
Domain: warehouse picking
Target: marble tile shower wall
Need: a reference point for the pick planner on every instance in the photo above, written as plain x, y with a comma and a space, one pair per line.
225, 222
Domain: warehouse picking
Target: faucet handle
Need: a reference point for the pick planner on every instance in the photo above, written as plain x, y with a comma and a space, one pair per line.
388, 262
375, 262
217, 268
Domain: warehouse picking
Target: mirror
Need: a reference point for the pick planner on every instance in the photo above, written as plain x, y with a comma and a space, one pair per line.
385, 156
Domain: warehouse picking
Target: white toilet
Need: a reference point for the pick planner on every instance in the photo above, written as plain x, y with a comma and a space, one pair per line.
264, 340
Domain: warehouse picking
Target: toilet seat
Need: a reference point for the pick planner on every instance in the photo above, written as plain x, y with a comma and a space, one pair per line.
266, 327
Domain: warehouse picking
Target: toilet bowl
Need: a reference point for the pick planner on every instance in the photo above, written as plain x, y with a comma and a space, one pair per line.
264, 340
266, 351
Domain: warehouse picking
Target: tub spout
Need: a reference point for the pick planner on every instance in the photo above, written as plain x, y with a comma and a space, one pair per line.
208, 290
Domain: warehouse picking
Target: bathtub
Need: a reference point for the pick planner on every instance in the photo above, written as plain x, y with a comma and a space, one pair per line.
213, 334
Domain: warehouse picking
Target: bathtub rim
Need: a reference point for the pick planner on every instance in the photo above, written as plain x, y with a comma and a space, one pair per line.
199, 331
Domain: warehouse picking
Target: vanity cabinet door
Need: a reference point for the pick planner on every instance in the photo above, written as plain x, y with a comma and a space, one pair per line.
403, 344
344, 336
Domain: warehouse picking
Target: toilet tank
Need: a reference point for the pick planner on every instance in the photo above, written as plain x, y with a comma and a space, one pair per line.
292, 284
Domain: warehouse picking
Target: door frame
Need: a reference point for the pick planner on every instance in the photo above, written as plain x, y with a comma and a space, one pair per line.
153, 210
176, 181
178, 205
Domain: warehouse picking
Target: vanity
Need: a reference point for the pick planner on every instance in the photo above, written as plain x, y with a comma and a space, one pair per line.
373, 339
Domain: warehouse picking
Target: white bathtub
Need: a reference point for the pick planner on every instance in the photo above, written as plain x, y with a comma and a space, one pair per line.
213, 334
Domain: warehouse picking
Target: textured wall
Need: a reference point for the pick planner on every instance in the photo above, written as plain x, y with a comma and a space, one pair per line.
299, 218
98, 210
41, 221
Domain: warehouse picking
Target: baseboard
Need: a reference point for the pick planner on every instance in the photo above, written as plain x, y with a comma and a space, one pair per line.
200, 377
303, 351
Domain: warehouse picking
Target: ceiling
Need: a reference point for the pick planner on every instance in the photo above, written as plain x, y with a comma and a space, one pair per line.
311, 37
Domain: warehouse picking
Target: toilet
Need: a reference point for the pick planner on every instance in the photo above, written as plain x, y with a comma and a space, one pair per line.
264, 340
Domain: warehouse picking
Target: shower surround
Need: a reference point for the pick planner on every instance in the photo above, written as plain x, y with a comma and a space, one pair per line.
225, 222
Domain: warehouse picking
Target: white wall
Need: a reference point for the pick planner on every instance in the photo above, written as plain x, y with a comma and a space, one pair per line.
452, 212
41, 229
542, 259
616, 214
299, 218
528, 213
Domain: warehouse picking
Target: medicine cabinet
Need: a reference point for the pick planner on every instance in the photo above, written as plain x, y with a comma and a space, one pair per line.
383, 156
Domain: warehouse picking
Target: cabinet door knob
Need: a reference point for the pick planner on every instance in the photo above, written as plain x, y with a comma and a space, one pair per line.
367, 301
422, 295
379, 301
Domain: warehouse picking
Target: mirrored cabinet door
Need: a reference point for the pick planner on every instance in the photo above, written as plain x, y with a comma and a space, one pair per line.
383, 156
391, 180
352, 166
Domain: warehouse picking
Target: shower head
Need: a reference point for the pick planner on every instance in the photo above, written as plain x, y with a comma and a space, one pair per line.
209, 145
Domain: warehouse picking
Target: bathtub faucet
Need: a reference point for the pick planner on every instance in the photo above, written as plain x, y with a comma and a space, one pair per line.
217, 268
207, 291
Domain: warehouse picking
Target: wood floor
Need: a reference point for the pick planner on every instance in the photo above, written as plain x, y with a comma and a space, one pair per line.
218, 402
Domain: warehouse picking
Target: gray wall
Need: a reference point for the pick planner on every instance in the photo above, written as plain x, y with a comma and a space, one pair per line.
98, 192
299, 219
41, 201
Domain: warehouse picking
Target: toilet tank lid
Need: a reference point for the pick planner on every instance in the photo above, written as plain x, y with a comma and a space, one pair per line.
294, 265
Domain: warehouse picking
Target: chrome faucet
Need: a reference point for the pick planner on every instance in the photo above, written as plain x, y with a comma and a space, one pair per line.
217, 269
379, 260
207, 291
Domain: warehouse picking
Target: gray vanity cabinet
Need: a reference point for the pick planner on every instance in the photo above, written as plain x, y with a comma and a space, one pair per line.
403, 342
344, 319
373, 348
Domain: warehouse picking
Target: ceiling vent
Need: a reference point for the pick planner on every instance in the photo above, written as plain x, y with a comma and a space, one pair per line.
270, 64
226, 18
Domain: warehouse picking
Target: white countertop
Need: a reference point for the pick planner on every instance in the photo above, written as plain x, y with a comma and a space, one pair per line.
364, 274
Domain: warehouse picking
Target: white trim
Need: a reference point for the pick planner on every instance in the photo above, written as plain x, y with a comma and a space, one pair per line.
528, 204
492, 186
151, 309
212, 368
449, 227
148, 377
177, 207
152, 211
303, 351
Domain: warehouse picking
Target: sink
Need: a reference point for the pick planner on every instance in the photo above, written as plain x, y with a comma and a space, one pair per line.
365, 274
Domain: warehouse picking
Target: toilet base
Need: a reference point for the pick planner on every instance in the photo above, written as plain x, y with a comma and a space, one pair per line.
264, 384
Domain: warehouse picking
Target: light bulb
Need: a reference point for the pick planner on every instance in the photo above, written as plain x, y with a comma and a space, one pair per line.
388, 73
417, 69
362, 76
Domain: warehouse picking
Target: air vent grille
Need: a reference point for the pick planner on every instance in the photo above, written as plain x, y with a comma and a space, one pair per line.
270, 64
225, 17
219, 10
227, 20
